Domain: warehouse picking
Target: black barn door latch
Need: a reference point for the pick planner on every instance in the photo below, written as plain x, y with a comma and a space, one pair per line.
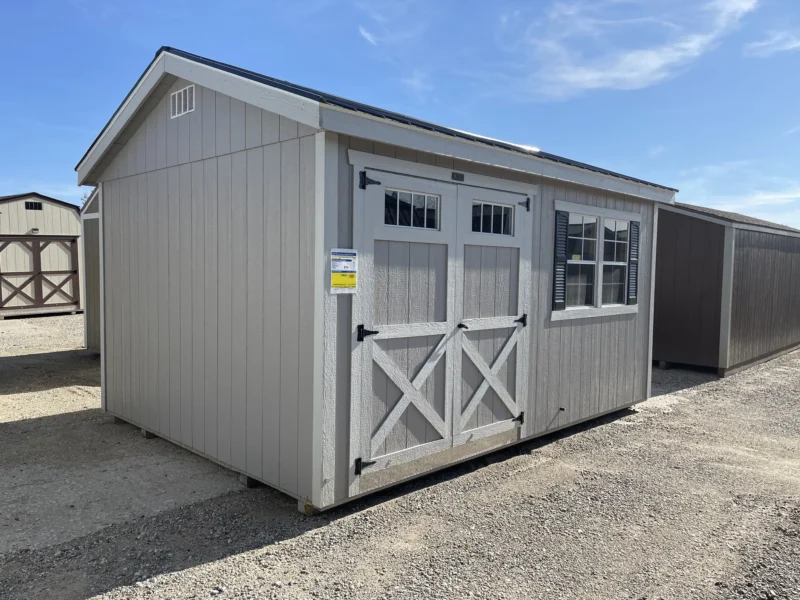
364, 181
361, 464
362, 332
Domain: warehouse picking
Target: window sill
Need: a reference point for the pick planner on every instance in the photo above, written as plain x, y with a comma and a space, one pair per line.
590, 313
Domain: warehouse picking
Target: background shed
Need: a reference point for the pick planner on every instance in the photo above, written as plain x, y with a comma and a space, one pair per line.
40, 258
727, 289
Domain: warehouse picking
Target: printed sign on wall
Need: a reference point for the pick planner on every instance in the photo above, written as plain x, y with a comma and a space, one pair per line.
344, 271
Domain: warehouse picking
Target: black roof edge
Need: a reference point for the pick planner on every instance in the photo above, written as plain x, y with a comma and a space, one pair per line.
338, 101
13, 197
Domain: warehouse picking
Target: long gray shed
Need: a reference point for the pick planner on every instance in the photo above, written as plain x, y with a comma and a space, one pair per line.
331, 298
727, 289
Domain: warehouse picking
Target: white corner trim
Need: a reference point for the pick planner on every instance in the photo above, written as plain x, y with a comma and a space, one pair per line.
412, 169
347, 122
101, 250
651, 319
89, 217
727, 297
571, 314
595, 211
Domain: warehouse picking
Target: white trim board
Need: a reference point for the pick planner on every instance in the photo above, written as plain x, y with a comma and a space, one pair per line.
727, 223
596, 211
373, 128
728, 256
412, 169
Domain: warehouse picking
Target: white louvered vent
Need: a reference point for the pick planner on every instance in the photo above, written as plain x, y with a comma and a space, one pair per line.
181, 102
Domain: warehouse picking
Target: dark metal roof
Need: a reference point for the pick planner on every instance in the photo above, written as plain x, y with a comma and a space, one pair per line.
734, 217
332, 100
12, 197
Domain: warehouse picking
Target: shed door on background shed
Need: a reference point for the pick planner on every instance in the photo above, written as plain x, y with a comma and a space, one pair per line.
420, 382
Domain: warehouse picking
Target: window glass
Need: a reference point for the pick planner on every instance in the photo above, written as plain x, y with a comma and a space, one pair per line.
493, 218
580, 284
409, 209
486, 225
613, 284
582, 238
497, 219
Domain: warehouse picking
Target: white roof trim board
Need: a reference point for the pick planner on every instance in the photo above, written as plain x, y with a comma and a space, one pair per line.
331, 113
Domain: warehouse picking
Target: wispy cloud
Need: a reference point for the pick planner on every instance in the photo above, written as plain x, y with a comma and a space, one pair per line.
367, 36
742, 186
656, 151
418, 81
585, 45
792, 131
775, 42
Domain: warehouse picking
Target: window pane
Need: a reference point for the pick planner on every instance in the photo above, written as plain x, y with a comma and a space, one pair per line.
476, 217
587, 274
574, 297
507, 221
613, 294
404, 216
390, 208
622, 252
497, 219
590, 227
573, 274
613, 274
588, 295
487, 218
574, 249
431, 219
590, 250
610, 230
419, 210
575, 225
622, 231
609, 251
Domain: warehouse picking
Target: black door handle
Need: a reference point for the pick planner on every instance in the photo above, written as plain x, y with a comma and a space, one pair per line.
463, 326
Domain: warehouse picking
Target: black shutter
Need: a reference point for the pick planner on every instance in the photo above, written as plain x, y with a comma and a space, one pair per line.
633, 264
560, 261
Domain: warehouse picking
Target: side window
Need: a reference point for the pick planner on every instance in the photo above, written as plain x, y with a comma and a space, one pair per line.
410, 209
490, 217
581, 260
615, 261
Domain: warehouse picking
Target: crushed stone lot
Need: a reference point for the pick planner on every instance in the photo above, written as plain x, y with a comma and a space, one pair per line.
693, 494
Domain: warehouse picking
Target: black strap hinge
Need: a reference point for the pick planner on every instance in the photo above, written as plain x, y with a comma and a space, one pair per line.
362, 332
519, 418
526, 204
364, 181
361, 464
523, 319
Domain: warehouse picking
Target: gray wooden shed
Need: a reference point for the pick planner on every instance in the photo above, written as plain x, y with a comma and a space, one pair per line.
40, 258
331, 298
727, 289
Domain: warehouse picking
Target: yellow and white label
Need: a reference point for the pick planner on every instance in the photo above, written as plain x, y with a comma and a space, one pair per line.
344, 271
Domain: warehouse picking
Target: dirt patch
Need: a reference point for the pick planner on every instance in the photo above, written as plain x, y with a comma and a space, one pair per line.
693, 494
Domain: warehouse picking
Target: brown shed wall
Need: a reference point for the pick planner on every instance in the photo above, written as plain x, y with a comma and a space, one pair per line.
765, 310
688, 298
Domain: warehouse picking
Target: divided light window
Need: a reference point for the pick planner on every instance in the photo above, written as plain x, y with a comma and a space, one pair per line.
615, 261
488, 217
181, 102
581, 260
33, 205
410, 209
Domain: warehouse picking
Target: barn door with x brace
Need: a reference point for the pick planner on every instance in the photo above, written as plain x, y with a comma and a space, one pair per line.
441, 298
404, 320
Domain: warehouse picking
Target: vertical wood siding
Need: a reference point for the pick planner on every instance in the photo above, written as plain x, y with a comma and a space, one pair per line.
587, 366
91, 275
688, 299
766, 287
53, 219
209, 252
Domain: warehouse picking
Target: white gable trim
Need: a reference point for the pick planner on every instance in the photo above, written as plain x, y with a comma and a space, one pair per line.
372, 128
263, 96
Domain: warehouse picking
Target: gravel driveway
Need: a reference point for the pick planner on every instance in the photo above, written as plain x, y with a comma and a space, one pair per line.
694, 494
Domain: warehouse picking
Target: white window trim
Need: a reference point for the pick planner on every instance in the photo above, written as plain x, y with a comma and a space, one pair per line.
424, 227
180, 95
598, 310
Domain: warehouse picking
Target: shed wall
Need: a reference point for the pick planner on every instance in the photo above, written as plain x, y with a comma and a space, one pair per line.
688, 297
91, 282
208, 231
766, 287
586, 366
53, 219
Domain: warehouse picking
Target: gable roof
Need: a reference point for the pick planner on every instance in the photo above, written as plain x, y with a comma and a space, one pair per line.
309, 106
14, 197
732, 217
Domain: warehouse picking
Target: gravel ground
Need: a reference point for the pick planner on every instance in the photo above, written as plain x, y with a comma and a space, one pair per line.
694, 494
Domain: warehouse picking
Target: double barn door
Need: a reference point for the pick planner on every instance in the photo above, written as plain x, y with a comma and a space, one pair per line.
440, 317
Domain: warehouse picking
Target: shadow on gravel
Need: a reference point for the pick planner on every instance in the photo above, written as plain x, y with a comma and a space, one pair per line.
126, 553
679, 378
51, 370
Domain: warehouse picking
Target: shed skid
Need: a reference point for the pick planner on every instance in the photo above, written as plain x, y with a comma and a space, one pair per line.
332, 314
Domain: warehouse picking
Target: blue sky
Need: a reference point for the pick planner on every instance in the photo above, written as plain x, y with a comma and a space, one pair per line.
702, 95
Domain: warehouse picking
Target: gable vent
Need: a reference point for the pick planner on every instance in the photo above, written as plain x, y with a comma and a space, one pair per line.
181, 102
